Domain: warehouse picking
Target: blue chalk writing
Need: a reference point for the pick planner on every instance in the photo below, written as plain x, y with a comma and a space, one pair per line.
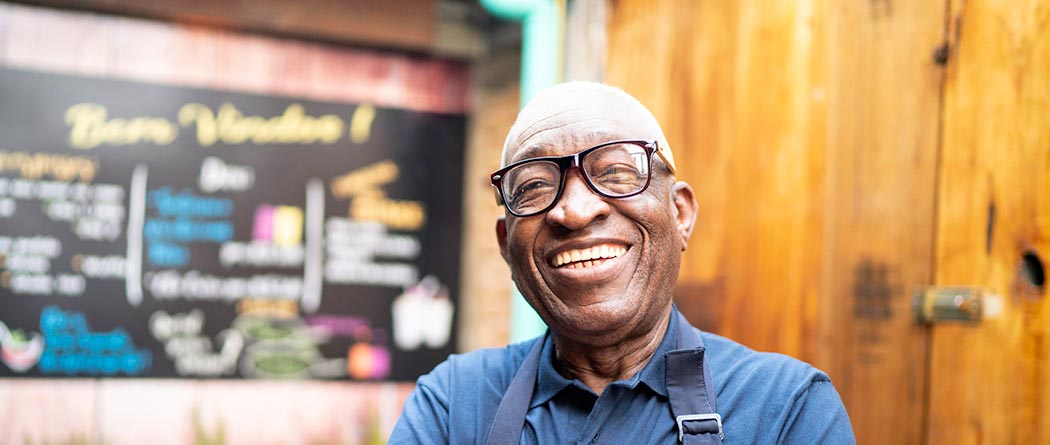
168, 255
186, 203
73, 349
187, 230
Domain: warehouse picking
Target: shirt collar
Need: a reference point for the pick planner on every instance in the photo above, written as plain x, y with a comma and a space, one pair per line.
549, 382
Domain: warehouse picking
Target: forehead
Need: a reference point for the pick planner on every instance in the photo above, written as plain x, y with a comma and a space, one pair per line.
566, 123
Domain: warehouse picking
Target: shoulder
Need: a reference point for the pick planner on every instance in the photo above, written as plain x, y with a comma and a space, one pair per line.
494, 366
739, 365
455, 401
475, 380
774, 398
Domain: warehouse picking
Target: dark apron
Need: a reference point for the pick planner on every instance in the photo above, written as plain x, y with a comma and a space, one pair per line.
689, 389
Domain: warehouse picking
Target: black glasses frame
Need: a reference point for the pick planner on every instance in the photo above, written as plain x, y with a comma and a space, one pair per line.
567, 162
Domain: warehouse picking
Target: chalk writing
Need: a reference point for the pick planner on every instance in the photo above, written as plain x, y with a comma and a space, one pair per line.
268, 308
46, 246
375, 274
229, 126
69, 285
38, 165
8, 207
90, 126
194, 285
187, 204
354, 246
339, 325
217, 175
96, 211
95, 266
402, 215
192, 352
365, 178
73, 349
184, 220
361, 123
260, 254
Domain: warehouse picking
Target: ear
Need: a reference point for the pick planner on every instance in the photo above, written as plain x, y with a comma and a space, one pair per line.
501, 237
685, 210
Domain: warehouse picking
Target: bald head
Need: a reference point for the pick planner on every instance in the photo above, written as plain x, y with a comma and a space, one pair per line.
583, 107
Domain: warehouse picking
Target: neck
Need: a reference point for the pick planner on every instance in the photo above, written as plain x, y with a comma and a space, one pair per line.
599, 365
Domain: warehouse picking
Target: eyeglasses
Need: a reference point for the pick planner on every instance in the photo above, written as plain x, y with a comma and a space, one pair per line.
616, 169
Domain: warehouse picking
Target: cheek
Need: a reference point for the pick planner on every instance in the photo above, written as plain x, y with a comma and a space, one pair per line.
662, 233
519, 245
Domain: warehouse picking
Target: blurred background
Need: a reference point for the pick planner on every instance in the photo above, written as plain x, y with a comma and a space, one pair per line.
233, 222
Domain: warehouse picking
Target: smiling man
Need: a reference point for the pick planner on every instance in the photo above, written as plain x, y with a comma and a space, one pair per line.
594, 230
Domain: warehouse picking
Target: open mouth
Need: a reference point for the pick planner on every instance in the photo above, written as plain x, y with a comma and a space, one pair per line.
589, 257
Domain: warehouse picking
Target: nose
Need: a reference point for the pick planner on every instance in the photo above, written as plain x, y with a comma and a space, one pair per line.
578, 205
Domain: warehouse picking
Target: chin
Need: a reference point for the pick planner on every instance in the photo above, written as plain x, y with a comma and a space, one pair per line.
600, 319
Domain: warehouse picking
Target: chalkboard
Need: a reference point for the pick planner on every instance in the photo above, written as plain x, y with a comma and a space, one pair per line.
157, 231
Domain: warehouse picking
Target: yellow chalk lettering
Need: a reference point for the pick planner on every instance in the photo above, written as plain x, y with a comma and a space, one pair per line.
361, 123
37, 165
230, 126
365, 178
201, 115
399, 215
90, 128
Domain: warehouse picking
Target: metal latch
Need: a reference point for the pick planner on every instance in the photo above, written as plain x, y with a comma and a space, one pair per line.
938, 304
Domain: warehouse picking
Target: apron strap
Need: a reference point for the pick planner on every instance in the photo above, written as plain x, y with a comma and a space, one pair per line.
691, 390
510, 416
690, 393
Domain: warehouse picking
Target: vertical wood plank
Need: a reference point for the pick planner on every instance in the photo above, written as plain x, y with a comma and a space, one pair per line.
809, 131
991, 381
732, 84
882, 128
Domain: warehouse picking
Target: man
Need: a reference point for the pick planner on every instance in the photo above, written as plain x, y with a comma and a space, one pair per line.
593, 233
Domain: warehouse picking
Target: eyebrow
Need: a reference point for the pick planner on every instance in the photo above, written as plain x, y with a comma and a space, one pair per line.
595, 134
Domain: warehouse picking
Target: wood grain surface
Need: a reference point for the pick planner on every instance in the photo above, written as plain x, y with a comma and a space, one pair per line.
990, 382
810, 132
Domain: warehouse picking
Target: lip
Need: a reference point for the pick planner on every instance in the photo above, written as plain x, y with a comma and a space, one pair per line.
607, 268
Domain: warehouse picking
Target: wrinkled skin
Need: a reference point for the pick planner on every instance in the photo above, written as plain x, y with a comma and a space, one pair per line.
607, 319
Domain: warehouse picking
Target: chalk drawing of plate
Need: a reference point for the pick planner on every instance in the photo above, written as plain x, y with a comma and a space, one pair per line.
19, 353
279, 359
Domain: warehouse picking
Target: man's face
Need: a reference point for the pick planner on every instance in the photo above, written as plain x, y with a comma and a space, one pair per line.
593, 266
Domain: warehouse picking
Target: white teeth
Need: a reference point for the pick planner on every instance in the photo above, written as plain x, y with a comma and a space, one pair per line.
578, 258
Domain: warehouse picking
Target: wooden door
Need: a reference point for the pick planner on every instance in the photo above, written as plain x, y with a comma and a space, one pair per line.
990, 382
809, 130
846, 153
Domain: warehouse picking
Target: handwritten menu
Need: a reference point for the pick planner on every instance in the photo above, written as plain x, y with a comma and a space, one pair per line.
157, 231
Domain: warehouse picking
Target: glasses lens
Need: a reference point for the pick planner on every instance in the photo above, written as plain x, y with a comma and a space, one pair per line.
618, 169
531, 187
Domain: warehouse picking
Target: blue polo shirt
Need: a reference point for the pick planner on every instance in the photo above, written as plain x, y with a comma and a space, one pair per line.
763, 398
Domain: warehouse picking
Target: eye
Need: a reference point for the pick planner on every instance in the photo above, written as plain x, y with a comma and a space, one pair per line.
532, 187
617, 174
